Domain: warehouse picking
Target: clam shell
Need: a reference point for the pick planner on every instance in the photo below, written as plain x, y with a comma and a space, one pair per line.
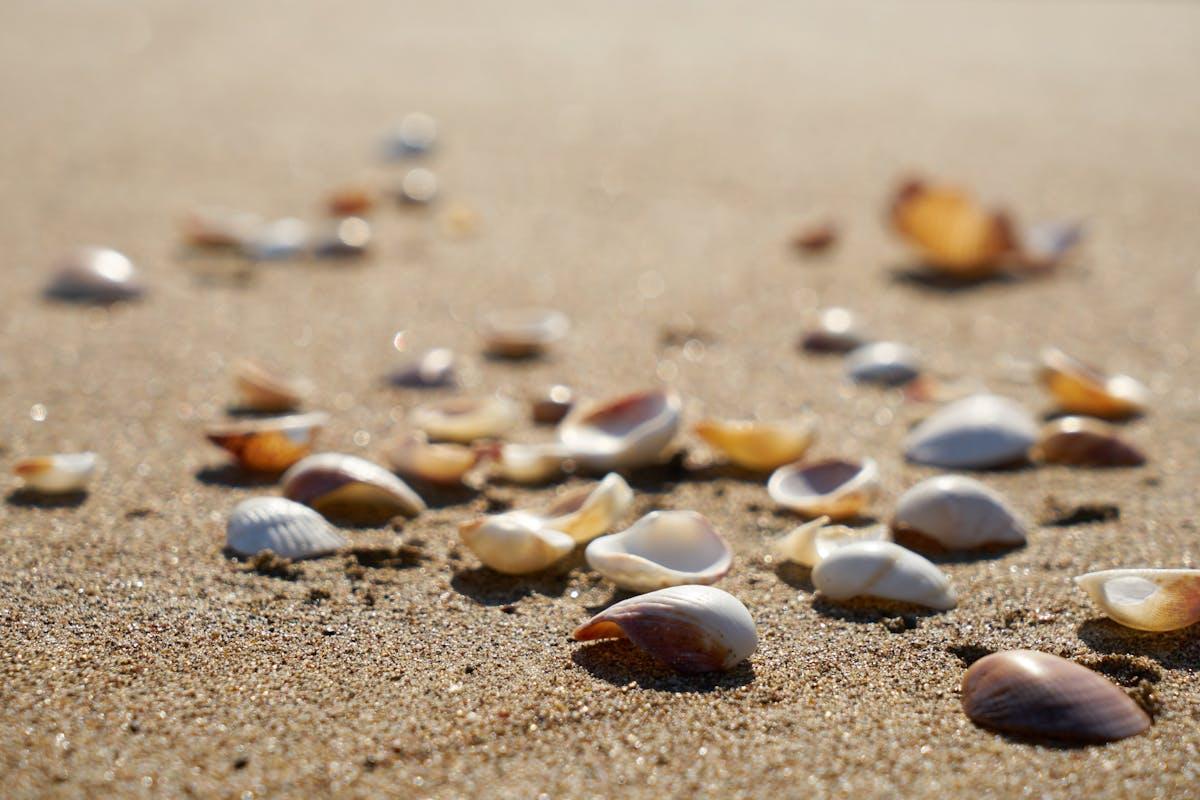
556, 404
663, 548
689, 628
591, 511
1081, 388
758, 446
1036, 694
415, 457
625, 433
977, 432
517, 333
262, 387
94, 275
529, 463
465, 419
950, 231
287, 529
269, 445
351, 488
1146, 599
1084, 442
832, 488
837, 330
811, 542
958, 513
61, 473
883, 363
883, 570
515, 543
414, 135
431, 369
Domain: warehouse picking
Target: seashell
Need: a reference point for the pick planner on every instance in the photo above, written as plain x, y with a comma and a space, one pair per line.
415, 457
625, 433
350, 201
515, 543
262, 387
1084, 442
833, 488
418, 186
351, 488
882, 570
286, 528
465, 419
884, 363
432, 369
519, 333
663, 548
61, 473
816, 236
759, 446
556, 404
586, 513
416, 134
1146, 599
1044, 245
220, 227
272, 444
1084, 389
977, 432
347, 237
811, 542
838, 330
689, 628
529, 463
950, 230
1036, 694
277, 240
94, 275
958, 513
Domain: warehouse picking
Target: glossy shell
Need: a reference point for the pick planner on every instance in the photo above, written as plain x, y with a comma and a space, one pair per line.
1084, 442
515, 543
958, 513
625, 433
269, 445
592, 510
94, 275
62, 473
758, 446
950, 231
882, 570
833, 488
809, 544
350, 488
663, 548
1146, 599
977, 432
1081, 388
884, 364
286, 528
262, 387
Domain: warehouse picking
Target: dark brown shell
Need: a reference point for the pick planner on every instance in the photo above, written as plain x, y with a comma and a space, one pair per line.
1084, 442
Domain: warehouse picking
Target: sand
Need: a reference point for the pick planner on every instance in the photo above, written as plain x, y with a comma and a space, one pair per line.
641, 168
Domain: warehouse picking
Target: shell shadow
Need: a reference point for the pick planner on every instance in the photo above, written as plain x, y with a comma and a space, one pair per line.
931, 550
231, 476
616, 596
246, 412
1173, 649
490, 588
28, 498
440, 495
725, 472
796, 576
619, 662
867, 610
519, 360
926, 278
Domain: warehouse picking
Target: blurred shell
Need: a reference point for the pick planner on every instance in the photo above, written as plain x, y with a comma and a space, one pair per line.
414, 135
1081, 388
1040, 695
1084, 442
529, 463
586, 513
466, 419
976, 432
759, 446
344, 238
556, 404
287, 529
278, 239
663, 548
61, 473
434, 368
950, 231
350, 201
883, 363
1146, 599
269, 445
833, 488
811, 542
690, 628
522, 332
958, 513
262, 387
837, 330
219, 227
94, 275
816, 236
883, 570
350, 488
625, 433
1043, 245
415, 457
418, 186
515, 543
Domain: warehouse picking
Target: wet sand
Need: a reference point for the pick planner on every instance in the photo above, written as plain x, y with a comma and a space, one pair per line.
641, 169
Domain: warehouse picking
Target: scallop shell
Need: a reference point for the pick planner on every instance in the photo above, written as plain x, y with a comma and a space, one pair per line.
1146, 599
811, 542
272, 444
518, 333
663, 548
465, 419
837, 330
759, 446
94, 275
415, 457
287, 529
414, 135
950, 231
1036, 694
529, 463
977, 432
62, 473
591, 511
1081, 388
1084, 442
883, 363
351, 488
515, 543
883, 570
833, 488
262, 387
626, 433
431, 369
690, 628
344, 238
556, 404
958, 513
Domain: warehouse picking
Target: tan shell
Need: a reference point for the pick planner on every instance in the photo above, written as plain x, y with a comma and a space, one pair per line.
1081, 388
466, 419
350, 488
415, 457
950, 231
272, 444
1146, 599
592, 510
1084, 442
515, 543
62, 473
263, 387
529, 463
759, 446
833, 488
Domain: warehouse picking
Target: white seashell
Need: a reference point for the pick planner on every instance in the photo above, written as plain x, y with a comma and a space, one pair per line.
287, 529
625, 433
959, 513
416, 134
1146, 599
884, 570
838, 330
883, 363
521, 332
465, 420
431, 369
586, 513
415, 457
418, 186
759, 446
811, 542
515, 543
278, 239
837, 489
62, 473
529, 463
350, 487
94, 275
1084, 389
345, 238
977, 432
663, 548
690, 628
262, 387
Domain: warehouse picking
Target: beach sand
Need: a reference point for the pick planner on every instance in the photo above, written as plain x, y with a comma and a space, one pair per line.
642, 168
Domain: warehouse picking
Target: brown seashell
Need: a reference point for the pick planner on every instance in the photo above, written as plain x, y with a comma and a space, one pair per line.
950, 230
1084, 442
816, 237
350, 201
269, 445
350, 488
1036, 694
553, 406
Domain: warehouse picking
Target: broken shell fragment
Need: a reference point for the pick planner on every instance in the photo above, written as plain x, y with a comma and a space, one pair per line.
529, 463
415, 457
62, 473
1081, 388
466, 419
524, 332
344, 238
977, 432
1146, 599
515, 543
415, 135
625, 433
883, 363
1084, 442
350, 488
434, 368
269, 445
1036, 694
586, 513
833, 488
663, 548
950, 230
837, 330
94, 275
811, 542
286, 528
957, 513
882, 570
262, 387
556, 404
759, 446
690, 628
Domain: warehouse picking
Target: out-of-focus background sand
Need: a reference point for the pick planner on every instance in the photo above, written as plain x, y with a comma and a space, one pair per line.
640, 166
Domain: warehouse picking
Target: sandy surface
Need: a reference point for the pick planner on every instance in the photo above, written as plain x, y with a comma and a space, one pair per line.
636, 167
